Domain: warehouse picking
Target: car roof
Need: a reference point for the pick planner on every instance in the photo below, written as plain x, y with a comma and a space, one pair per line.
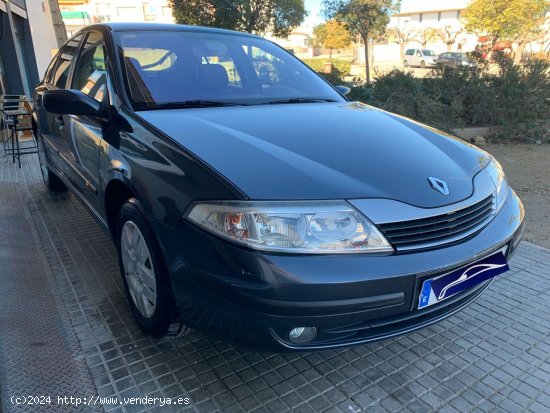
122, 27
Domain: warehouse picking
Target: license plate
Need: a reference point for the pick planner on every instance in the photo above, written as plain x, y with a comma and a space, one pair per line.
437, 289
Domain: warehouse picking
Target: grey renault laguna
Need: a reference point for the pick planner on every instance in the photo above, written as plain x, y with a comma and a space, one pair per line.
250, 199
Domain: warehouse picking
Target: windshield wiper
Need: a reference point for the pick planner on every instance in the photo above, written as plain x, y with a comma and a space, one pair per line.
298, 100
197, 103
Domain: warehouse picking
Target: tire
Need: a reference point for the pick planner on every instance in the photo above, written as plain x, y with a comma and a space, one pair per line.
52, 182
423, 64
143, 271
405, 63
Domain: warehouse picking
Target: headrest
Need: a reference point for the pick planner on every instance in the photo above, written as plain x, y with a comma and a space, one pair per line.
213, 76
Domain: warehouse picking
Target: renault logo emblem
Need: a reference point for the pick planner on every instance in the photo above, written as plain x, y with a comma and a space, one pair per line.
439, 185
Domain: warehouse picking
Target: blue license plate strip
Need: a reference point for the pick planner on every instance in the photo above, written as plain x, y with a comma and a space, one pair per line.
437, 289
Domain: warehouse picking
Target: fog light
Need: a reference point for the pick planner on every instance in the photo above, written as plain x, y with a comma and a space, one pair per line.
302, 335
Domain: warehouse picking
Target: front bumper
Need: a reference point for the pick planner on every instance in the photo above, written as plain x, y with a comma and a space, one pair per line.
255, 298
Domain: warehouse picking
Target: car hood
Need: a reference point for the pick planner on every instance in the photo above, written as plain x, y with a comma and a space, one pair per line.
343, 150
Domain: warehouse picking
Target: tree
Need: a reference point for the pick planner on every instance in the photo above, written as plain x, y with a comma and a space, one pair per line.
336, 37
500, 20
448, 35
363, 17
319, 34
426, 35
403, 36
252, 16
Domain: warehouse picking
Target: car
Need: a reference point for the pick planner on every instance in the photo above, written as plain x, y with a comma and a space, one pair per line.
250, 199
420, 58
454, 59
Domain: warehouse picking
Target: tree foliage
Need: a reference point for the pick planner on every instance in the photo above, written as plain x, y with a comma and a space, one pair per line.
505, 19
252, 16
427, 35
319, 34
366, 18
331, 35
193, 12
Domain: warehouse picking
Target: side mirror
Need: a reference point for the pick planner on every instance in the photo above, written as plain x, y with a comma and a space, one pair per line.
344, 90
71, 102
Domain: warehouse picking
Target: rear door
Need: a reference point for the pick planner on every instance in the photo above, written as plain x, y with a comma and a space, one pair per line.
84, 133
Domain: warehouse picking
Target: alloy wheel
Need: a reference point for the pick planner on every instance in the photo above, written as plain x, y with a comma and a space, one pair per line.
138, 269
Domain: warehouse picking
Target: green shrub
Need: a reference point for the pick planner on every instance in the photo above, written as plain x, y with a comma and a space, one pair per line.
513, 98
340, 68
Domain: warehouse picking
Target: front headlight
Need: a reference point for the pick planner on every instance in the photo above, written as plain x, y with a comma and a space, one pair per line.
308, 227
495, 171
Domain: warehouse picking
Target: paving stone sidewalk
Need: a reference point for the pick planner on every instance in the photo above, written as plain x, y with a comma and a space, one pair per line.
493, 356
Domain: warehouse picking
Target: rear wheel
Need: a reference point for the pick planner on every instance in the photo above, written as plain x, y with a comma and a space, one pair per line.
144, 274
51, 180
405, 63
422, 64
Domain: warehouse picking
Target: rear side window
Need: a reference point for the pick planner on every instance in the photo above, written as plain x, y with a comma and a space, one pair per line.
60, 74
409, 52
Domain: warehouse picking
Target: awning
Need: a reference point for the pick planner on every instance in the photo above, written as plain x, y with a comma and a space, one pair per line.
74, 15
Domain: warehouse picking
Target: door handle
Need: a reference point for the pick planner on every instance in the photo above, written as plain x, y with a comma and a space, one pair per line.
59, 120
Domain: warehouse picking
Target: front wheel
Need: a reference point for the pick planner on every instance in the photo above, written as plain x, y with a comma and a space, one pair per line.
143, 272
51, 180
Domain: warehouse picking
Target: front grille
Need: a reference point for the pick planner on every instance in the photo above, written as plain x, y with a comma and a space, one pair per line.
439, 229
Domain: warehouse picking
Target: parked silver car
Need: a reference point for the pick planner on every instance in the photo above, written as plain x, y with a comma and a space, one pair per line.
420, 58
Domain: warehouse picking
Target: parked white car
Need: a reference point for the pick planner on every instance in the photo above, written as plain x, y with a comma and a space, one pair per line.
420, 58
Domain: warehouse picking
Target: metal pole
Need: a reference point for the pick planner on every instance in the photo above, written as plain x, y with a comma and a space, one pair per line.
18, 54
2, 82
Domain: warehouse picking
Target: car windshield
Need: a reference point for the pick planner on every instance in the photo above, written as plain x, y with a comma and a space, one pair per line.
427, 52
166, 69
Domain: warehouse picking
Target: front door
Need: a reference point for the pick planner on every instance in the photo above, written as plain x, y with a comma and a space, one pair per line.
417, 58
84, 133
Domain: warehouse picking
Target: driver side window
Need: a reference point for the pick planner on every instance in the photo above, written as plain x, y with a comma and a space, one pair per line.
90, 76
59, 74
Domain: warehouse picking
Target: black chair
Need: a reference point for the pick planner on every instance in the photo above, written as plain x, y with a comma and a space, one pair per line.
16, 118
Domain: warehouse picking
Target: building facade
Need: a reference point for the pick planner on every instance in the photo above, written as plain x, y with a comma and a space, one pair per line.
436, 25
27, 44
79, 13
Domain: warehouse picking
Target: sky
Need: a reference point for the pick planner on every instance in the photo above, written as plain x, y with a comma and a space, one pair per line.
314, 7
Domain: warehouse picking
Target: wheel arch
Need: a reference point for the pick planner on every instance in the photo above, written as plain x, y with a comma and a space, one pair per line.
116, 193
